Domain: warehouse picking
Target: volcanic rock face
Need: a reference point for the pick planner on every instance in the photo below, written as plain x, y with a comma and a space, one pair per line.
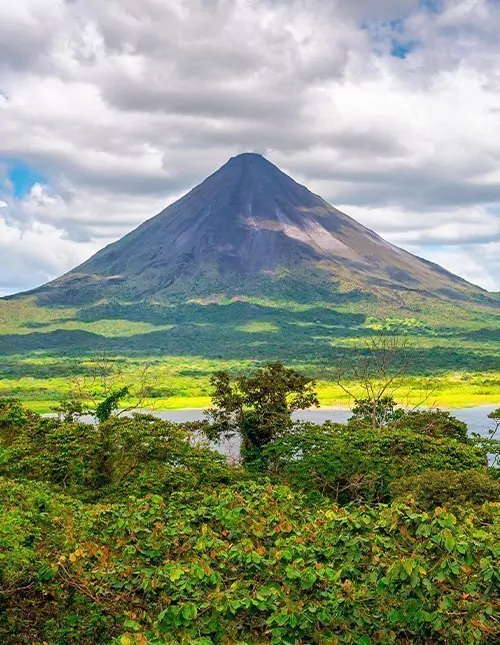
245, 225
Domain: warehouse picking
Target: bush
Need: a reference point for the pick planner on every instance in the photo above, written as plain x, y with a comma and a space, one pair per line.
120, 456
360, 465
181, 548
435, 423
449, 487
254, 564
13, 417
36, 605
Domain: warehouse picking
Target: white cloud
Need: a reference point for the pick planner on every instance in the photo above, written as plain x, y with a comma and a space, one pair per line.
124, 104
480, 264
39, 251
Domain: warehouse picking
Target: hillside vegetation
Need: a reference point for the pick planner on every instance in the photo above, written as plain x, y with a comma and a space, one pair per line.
249, 267
134, 530
454, 351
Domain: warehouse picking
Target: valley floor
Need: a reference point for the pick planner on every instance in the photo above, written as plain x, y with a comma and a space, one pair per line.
453, 352
175, 389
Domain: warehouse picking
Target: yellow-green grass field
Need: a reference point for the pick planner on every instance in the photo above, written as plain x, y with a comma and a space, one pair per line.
455, 352
177, 383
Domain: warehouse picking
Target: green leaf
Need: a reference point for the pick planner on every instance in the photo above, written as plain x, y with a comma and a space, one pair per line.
126, 640
449, 543
189, 611
175, 573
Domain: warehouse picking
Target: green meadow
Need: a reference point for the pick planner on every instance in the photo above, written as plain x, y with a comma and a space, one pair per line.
454, 352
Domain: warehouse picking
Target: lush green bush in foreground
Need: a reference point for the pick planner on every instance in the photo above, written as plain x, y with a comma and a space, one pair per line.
245, 564
360, 465
129, 531
138, 455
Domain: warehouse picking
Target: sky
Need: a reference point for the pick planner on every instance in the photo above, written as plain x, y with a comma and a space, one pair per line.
110, 110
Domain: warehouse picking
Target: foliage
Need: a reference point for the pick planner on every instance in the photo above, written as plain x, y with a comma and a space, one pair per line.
35, 604
139, 453
360, 465
258, 407
70, 410
106, 408
385, 412
248, 564
13, 418
492, 444
378, 413
435, 423
42, 348
454, 487
495, 415
133, 531
397, 325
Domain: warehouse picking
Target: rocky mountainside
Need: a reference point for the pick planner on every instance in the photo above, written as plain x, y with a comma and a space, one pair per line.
250, 229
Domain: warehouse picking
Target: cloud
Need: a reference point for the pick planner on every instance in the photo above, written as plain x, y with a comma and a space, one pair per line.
480, 264
123, 105
39, 251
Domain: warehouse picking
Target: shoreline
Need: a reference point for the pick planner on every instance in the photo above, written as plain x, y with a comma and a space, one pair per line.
46, 407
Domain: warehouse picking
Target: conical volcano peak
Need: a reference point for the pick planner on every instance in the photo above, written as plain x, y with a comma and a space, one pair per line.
248, 225
246, 167
249, 158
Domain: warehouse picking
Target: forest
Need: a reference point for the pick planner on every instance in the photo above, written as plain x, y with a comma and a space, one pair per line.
454, 350
132, 529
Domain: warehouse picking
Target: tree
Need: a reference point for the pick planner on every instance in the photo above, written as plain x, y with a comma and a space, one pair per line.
492, 444
435, 423
379, 369
495, 416
102, 388
106, 408
120, 455
383, 411
258, 408
13, 415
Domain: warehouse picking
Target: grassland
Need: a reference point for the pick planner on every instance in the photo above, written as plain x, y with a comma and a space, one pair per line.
454, 351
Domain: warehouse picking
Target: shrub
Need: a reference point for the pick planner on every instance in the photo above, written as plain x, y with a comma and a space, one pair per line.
435, 423
126, 455
360, 465
254, 564
13, 416
36, 605
453, 487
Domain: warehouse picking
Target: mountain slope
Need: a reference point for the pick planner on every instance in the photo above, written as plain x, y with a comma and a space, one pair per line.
249, 229
248, 267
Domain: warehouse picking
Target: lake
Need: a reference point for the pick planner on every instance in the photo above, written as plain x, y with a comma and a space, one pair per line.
476, 418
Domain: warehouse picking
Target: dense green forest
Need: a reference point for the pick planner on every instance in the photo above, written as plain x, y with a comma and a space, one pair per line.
454, 349
135, 530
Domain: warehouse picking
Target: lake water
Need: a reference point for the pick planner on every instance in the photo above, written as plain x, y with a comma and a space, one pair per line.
476, 418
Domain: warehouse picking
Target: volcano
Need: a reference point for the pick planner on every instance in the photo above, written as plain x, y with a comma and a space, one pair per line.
251, 230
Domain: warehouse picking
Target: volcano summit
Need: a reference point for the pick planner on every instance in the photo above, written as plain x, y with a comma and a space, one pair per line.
251, 230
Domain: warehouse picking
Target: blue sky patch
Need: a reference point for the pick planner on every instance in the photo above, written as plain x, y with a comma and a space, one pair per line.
401, 50
436, 6
22, 177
